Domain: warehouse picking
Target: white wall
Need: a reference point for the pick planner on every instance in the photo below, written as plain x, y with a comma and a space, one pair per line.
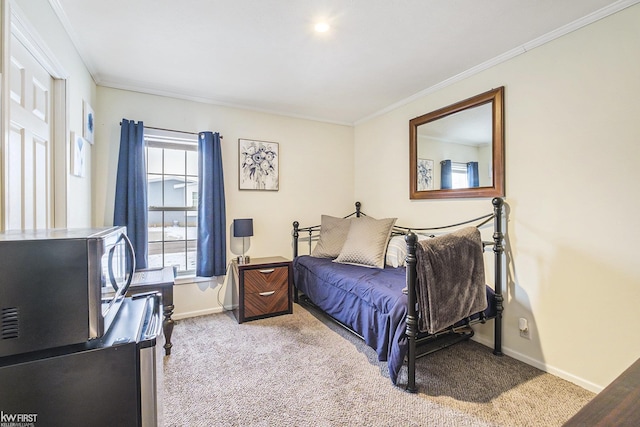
80, 86
316, 174
572, 148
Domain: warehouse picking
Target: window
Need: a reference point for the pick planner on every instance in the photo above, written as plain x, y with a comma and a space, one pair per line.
459, 178
172, 198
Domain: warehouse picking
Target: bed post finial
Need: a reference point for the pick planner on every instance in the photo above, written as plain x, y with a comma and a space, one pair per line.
497, 202
358, 204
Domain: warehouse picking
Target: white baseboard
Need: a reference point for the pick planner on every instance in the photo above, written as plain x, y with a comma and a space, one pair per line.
196, 313
204, 312
588, 385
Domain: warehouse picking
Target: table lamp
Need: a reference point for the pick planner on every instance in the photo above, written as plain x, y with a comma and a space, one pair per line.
243, 228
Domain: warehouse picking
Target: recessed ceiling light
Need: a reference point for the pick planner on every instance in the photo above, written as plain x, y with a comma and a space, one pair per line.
322, 27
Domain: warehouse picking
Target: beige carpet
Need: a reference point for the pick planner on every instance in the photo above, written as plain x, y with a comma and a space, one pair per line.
303, 370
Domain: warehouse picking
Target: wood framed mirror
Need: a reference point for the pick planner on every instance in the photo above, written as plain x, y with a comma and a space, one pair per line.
458, 150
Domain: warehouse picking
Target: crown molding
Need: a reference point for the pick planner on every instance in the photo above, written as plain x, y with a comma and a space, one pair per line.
524, 48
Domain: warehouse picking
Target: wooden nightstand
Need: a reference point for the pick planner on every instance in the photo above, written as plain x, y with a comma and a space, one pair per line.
157, 280
262, 288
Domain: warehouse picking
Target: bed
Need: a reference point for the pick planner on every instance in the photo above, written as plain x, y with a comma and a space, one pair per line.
392, 303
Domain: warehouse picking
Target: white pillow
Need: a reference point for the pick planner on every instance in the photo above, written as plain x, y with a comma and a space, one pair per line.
397, 250
366, 242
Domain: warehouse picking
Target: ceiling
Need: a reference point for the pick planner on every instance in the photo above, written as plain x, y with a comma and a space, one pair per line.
265, 55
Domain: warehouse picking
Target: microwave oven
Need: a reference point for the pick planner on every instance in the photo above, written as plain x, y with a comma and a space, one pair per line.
61, 287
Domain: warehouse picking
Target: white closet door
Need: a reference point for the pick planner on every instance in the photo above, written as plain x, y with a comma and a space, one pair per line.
28, 164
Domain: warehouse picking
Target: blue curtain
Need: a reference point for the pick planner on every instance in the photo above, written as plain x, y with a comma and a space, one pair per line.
212, 237
446, 181
472, 174
131, 189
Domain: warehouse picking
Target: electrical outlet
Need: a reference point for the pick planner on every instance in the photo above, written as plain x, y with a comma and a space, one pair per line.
523, 325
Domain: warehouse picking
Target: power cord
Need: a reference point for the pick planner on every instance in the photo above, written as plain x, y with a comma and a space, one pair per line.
226, 274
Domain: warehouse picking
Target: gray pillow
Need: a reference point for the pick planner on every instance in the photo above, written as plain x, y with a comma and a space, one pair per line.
333, 233
366, 242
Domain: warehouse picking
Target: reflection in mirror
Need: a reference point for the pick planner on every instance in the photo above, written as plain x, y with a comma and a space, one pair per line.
457, 151
459, 146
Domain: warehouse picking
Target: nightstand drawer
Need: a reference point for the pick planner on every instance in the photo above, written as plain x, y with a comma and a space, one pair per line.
264, 303
266, 280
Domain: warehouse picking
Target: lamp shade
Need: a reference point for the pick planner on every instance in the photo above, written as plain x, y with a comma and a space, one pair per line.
243, 227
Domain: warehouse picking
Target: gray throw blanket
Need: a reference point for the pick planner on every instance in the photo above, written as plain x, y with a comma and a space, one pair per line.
450, 279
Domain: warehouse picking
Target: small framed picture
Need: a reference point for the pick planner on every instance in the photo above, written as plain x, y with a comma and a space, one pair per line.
425, 174
258, 165
78, 155
88, 122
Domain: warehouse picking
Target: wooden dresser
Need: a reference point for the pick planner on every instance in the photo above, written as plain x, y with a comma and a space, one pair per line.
262, 288
617, 405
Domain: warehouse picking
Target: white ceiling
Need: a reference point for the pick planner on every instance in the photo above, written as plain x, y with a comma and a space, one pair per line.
264, 55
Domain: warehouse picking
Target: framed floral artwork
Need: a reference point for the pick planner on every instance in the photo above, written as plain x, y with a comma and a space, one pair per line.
258, 165
425, 174
78, 155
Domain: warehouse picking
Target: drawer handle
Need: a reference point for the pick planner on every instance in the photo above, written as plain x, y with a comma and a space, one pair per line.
271, 270
267, 294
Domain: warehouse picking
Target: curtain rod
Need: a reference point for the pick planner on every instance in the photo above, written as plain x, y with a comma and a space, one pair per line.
173, 130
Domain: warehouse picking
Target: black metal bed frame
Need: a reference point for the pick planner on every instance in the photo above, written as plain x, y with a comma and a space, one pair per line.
420, 344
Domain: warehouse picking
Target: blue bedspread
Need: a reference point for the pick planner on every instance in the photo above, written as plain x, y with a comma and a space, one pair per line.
368, 300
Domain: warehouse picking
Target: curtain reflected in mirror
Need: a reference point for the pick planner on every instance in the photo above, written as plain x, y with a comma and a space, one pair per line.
455, 175
457, 151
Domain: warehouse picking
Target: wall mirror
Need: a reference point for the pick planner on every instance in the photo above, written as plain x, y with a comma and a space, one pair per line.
458, 150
